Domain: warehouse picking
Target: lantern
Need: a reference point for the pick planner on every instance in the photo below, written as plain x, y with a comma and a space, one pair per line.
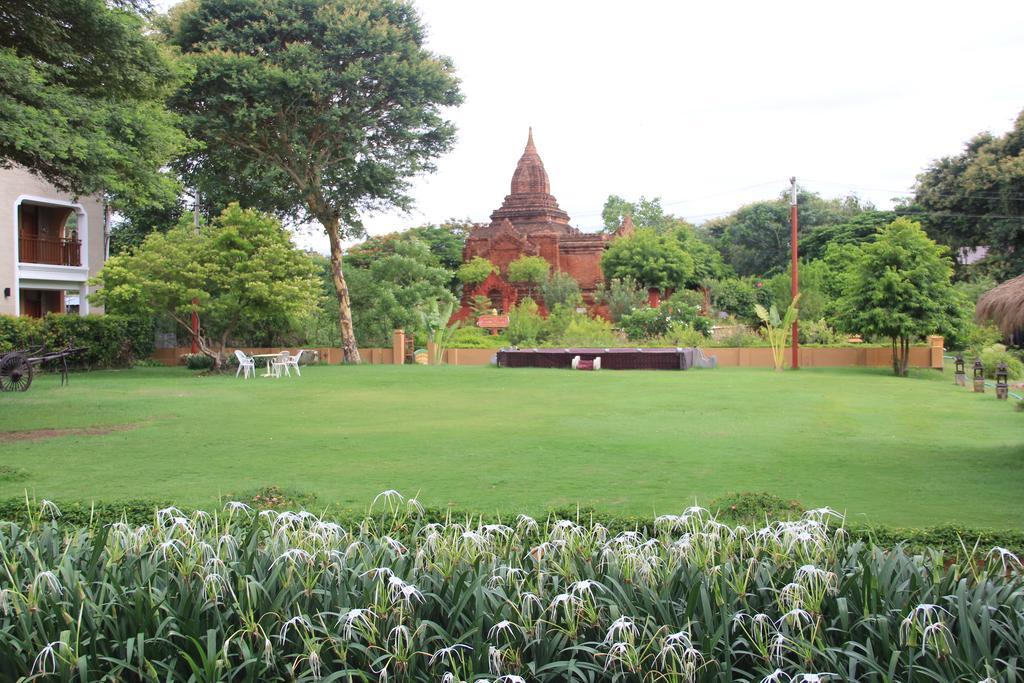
979, 376
960, 377
1002, 385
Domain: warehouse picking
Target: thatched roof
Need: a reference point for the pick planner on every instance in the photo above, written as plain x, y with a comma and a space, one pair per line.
1004, 305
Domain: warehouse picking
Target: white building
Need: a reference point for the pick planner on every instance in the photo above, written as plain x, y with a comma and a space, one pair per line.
51, 243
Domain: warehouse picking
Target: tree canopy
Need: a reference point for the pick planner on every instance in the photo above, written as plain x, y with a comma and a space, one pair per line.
317, 110
82, 99
651, 259
755, 239
239, 271
531, 269
646, 213
395, 288
976, 199
475, 270
899, 286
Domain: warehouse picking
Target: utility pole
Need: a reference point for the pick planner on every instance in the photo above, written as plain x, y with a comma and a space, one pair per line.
195, 302
795, 285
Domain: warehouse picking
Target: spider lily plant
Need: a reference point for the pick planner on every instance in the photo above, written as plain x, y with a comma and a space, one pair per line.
292, 596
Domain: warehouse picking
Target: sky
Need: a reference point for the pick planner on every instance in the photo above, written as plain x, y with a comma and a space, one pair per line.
710, 105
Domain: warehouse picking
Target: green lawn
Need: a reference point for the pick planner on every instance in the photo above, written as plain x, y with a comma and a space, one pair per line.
916, 451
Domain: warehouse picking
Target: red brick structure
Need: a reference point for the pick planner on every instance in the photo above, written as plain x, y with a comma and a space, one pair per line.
530, 223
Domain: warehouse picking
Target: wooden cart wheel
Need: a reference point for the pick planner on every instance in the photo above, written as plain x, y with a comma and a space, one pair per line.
15, 372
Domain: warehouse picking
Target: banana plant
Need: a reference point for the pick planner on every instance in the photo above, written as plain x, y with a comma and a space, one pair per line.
777, 329
435, 321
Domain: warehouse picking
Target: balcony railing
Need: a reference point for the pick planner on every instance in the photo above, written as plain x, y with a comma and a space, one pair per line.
53, 251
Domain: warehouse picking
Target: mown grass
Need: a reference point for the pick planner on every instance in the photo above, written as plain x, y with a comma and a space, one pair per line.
906, 452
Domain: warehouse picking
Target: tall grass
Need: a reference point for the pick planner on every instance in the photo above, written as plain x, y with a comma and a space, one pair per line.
248, 596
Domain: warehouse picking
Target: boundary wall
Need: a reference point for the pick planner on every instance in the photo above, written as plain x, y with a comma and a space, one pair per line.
925, 356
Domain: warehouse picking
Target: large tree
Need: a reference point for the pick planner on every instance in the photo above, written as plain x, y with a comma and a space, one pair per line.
394, 289
82, 99
645, 213
755, 239
976, 199
315, 109
652, 260
445, 241
239, 271
899, 286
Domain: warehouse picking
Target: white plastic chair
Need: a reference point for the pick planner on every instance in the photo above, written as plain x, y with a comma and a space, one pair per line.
245, 363
293, 361
281, 363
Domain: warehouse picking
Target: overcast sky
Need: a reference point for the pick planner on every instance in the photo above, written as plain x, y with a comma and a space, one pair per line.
713, 104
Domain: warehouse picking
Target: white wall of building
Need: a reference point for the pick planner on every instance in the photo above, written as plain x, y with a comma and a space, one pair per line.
18, 186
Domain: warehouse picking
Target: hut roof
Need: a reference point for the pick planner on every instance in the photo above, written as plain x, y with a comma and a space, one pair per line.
1004, 305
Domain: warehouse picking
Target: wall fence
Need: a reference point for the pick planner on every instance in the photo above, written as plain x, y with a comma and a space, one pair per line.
925, 356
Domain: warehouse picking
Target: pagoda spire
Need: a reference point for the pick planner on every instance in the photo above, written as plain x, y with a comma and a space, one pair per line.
530, 176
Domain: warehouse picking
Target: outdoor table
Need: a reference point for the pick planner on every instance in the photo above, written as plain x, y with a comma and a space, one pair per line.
270, 357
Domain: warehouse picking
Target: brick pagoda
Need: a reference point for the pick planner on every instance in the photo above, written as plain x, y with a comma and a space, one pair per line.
531, 223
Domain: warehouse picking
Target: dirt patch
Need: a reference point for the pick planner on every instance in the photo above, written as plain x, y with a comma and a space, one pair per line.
48, 433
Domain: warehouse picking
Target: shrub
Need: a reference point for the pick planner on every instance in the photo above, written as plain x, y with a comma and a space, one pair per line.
110, 340
476, 338
980, 337
198, 361
645, 323
992, 356
819, 332
561, 289
686, 297
623, 296
735, 296
481, 305
681, 335
756, 507
584, 331
525, 324
742, 337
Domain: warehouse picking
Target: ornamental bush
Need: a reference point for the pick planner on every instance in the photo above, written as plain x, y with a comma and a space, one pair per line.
623, 296
525, 324
645, 323
476, 338
112, 341
992, 356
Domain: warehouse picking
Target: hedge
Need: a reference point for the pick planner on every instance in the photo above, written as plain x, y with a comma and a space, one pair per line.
112, 341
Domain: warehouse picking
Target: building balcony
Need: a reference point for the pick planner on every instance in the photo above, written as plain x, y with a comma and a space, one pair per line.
49, 250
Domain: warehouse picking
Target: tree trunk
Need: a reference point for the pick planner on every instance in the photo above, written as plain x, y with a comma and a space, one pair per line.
895, 357
348, 336
905, 356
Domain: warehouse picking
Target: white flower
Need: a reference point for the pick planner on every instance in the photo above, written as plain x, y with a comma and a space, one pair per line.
448, 652
585, 587
294, 556
1007, 559
50, 507
352, 618
620, 628
504, 626
49, 579
299, 620
47, 654
776, 676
